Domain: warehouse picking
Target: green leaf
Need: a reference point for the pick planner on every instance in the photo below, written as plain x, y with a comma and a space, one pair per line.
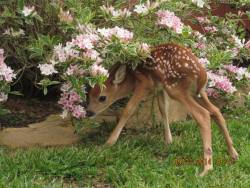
20, 4
45, 90
4, 111
16, 93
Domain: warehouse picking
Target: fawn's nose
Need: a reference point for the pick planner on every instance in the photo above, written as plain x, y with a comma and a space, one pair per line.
90, 113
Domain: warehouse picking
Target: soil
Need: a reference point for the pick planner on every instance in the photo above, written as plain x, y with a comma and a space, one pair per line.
24, 111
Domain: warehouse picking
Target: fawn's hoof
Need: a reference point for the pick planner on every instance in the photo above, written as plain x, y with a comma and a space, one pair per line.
205, 171
168, 141
234, 154
110, 142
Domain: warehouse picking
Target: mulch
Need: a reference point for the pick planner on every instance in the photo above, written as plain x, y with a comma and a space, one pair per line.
24, 111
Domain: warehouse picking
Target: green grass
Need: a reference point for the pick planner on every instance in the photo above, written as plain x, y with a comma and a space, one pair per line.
139, 159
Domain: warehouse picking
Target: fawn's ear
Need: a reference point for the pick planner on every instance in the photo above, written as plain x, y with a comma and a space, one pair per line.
120, 75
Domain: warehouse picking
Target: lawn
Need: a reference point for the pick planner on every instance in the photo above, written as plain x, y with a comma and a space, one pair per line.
139, 159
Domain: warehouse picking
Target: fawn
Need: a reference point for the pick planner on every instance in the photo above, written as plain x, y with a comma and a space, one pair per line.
178, 72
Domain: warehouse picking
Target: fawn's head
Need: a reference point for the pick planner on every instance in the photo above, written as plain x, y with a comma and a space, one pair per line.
119, 84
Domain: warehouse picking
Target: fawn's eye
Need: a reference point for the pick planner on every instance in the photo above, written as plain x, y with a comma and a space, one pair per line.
102, 98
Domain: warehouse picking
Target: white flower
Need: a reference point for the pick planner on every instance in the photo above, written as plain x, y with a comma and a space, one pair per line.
7, 31
47, 69
140, 9
28, 10
12, 32
6, 73
3, 97
18, 33
241, 73
238, 43
199, 3
64, 114
204, 61
105, 32
96, 70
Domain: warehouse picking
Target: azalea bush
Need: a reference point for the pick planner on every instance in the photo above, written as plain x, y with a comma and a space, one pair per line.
76, 43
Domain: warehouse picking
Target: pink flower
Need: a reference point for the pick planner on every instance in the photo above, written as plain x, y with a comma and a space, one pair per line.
74, 97
70, 102
92, 54
168, 19
231, 68
97, 70
74, 70
78, 112
211, 92
210, 29
200, 46
220, 82
247, 45
203, 20
204, 61
240, 72
83, 42
47, 69
6, 73
60, 53
121, 33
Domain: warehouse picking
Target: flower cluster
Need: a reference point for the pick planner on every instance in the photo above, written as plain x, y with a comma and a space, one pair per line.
71, 102
96, 70
110, 10
220, 82
47, 69
83, 58
6, 76
210, 29
6, 73
123, 34
170, 20
239, 72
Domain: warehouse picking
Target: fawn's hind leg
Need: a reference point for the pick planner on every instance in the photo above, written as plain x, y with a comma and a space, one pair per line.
220, 121
202, 117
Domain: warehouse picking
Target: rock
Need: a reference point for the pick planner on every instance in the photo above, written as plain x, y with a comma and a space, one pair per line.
56, 131
53, 131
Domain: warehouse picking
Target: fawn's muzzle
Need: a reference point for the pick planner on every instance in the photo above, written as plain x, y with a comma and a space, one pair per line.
90, 113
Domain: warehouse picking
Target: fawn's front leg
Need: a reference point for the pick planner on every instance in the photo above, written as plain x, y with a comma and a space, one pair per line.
140, 92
